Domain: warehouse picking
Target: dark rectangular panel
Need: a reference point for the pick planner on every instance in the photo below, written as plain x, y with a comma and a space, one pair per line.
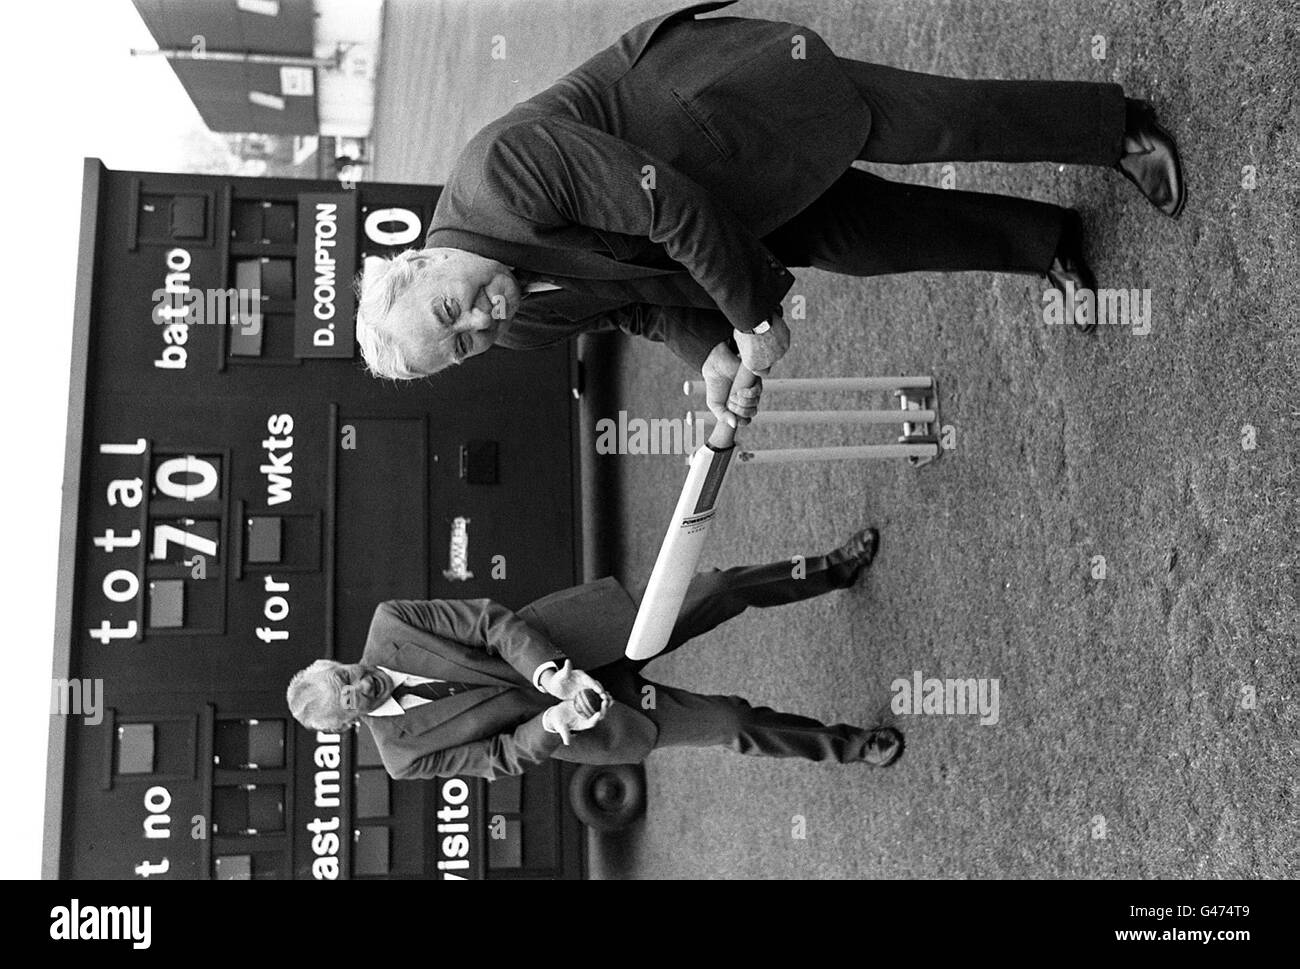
383, 527
478, 462
246, 340
372, 789
189, 217
277, 279
153, 215
370, 854
166, 604
506, 851
542, 848
266, 807
266, 743
249, 743
504, 794
246, 220
277, 332
231, 744
264, 533
248, 274
229, 810
237, 868
279, 222
135, 748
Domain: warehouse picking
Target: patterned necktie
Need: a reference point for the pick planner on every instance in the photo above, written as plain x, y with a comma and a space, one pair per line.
430, 691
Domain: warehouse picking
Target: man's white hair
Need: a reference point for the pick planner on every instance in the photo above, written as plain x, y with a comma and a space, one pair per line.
306, 696
378, 286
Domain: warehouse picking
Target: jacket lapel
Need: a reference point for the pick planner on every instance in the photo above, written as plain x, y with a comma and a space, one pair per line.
635, 41
446, 665
425, 717
418, 661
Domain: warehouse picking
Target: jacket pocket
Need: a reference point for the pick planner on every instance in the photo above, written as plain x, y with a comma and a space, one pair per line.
700, 119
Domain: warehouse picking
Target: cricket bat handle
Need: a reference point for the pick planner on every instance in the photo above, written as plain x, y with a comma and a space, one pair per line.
724, 435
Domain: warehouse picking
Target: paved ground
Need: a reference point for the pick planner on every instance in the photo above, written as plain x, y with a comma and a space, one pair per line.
1121, 698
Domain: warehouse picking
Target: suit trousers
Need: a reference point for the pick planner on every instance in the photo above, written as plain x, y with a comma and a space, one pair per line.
864, 225
687, 719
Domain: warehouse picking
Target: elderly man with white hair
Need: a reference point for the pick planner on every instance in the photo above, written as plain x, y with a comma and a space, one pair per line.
469, 687
663, 188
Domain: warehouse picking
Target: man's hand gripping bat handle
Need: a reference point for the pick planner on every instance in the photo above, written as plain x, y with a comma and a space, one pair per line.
680, 552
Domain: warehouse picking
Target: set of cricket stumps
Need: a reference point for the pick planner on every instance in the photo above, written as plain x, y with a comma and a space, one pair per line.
917, 414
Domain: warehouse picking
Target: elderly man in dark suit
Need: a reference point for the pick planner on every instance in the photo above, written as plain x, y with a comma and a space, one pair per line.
664, 187
467, 687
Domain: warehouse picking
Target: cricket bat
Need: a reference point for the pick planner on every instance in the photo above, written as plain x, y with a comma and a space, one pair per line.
680, 552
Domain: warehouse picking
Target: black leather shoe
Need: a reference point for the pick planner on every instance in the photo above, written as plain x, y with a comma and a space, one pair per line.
848, 561
1150, 159
883, 747
1068, 266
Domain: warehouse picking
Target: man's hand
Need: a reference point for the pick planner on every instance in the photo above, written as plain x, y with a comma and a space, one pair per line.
566, 719
758, 351
566, 683
735, 409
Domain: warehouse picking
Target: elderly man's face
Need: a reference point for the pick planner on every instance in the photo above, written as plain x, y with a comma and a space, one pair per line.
344, 691
454, 309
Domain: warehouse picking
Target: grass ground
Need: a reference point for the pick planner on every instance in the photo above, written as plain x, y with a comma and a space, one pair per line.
1121, 698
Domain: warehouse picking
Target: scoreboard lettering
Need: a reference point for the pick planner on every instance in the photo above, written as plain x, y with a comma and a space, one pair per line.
325, 841
454, 830
120, 585
188, 478
279, 459
324, 324
176, 331
328, 254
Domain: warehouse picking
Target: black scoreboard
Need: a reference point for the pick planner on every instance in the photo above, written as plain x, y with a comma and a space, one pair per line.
239, 496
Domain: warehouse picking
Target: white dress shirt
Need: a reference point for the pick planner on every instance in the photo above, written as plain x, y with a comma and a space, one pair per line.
395, 708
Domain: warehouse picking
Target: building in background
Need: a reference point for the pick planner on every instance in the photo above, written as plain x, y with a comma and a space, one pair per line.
295, 76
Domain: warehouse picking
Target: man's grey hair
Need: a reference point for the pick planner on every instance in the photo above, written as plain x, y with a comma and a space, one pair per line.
304, 697
378, 286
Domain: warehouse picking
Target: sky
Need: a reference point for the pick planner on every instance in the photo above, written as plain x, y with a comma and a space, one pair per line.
72, 91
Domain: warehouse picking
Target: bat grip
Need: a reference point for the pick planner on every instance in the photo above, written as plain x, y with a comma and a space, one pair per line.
724, 435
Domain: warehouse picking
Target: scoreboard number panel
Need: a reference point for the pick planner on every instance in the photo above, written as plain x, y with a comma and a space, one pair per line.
393, 228
172, 539
190, 478
187, 477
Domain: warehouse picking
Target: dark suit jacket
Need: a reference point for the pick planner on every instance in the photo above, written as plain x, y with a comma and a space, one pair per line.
497, 728
740, 133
